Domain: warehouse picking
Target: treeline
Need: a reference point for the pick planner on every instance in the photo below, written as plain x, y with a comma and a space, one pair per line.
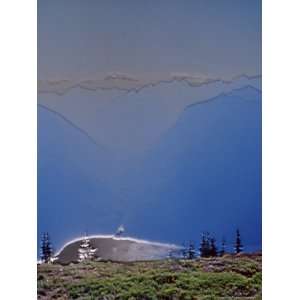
208, 247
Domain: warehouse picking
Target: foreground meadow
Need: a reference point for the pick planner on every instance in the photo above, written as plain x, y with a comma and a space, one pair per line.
228, 277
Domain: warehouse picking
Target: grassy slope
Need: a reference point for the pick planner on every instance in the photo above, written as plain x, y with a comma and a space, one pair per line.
215, 278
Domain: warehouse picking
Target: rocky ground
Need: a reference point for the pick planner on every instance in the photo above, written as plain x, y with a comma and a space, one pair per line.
228, 277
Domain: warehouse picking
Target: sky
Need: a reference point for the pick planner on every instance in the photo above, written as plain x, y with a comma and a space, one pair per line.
142, 116
79, 39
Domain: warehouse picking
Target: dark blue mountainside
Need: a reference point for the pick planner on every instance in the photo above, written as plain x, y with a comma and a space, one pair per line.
69, 188
203, 175
206, 172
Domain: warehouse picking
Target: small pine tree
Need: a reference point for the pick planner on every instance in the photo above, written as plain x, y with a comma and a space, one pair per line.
170, 255
46, 248
238, 243
86, 251
223, 250
213, 251
204, 246
191, 252
183, 252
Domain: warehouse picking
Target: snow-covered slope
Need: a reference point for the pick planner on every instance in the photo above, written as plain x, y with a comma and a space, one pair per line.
118, 249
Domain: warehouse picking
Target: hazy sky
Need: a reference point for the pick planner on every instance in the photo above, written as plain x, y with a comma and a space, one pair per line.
157, 148
83, 38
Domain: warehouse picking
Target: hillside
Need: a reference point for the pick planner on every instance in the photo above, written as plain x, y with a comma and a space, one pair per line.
205, 173
229, 277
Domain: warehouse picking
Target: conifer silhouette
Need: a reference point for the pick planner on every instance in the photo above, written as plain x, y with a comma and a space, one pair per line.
46, 248
191, 252
238, 248
213, 251
223, 250
204, 246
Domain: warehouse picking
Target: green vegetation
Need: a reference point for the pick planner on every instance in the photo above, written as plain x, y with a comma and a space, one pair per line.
228, 277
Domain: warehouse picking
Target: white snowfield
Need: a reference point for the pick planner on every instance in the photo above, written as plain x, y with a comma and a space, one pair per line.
110, 247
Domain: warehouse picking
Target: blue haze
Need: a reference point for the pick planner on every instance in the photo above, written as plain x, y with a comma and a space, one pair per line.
203, 175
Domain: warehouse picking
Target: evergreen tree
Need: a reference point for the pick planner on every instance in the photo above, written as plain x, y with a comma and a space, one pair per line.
213, 251
46, 248
222, 251
191, 252
238, 243
204, 246
86, 251
170, 254
184, 251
